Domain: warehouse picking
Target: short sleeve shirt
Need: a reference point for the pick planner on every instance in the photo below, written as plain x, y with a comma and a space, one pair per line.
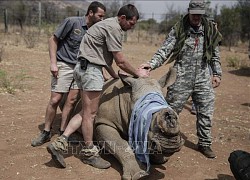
69, 35
101, 40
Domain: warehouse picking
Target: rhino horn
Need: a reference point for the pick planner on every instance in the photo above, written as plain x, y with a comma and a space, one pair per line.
168, 79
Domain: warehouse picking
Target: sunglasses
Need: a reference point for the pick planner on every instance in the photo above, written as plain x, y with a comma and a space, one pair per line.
197, 5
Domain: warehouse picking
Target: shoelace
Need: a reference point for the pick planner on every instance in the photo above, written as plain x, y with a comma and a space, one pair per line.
61, 144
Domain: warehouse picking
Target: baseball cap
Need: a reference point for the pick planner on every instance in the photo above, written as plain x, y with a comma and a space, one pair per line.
197, 7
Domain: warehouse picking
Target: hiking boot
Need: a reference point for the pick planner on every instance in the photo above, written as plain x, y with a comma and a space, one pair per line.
71, 139
56, 148
43, 137
206, 151
91, 156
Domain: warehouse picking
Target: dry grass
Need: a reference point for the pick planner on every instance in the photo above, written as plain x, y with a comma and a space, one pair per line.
32, 38
22, 116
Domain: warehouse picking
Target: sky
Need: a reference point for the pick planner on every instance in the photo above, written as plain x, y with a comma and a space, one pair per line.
156, 9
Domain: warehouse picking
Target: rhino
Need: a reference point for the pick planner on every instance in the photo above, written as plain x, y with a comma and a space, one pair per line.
112, 128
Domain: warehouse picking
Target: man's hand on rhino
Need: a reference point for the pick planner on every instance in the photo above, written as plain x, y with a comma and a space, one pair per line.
142, 72
145, 66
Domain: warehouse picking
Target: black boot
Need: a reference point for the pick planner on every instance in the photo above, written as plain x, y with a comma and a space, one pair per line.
206, 151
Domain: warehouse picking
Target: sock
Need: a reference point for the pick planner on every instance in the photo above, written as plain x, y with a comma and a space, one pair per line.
65, 137
46, 132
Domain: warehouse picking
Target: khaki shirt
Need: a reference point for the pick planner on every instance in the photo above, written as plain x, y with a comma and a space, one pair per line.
100, 41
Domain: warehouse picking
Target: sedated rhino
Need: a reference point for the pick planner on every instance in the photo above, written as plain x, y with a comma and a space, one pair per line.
113, 119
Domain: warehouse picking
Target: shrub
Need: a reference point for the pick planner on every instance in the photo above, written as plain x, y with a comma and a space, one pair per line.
10, 84
31, 39
233, 62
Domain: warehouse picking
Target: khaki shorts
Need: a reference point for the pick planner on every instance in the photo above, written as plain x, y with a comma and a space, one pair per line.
90, 79
65, 78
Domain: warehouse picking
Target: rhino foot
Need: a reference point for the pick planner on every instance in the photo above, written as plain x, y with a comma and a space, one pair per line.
137, 175
134, 170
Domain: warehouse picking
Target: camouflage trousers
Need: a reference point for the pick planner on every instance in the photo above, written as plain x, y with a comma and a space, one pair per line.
196, 84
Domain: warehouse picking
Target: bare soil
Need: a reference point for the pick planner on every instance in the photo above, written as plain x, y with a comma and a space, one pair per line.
22, 118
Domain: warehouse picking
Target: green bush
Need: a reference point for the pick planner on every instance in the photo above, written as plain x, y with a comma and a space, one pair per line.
233, 62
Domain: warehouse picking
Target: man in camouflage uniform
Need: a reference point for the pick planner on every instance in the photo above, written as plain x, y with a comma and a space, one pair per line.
193, 43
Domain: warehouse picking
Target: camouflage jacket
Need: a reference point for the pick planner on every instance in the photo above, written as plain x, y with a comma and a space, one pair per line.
193, 48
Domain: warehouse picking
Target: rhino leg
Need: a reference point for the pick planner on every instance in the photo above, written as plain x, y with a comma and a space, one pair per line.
111, 140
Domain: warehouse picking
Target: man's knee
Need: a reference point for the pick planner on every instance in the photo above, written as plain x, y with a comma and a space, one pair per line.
70, 101
72, 98
55, 99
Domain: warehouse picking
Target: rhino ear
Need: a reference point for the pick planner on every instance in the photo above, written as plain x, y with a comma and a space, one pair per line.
126, 79
168, 79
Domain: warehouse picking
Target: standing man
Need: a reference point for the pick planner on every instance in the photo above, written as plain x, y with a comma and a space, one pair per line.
193, 44
63, 49
210, 18
100, 45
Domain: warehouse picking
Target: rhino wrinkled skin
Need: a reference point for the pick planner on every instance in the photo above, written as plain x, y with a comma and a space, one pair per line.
112, 123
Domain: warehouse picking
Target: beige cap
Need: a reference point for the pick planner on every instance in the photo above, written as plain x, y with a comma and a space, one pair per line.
197, 7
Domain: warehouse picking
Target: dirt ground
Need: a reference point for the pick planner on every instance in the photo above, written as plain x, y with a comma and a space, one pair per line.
22, 118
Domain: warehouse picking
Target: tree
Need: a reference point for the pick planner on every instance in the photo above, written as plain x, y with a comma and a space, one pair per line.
170, 19
243, 8
114, 6
146, 24
230, 25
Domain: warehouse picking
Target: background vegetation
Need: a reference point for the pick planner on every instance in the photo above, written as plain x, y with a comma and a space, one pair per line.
30, 23
233, 22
